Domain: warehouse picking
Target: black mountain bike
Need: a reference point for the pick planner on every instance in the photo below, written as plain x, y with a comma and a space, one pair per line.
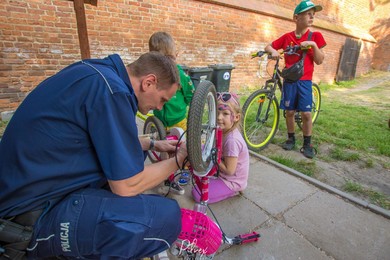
261, 109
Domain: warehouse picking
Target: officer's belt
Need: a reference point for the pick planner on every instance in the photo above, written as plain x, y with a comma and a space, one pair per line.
15, 234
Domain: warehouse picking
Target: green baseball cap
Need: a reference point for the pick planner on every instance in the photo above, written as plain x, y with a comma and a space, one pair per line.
306, 5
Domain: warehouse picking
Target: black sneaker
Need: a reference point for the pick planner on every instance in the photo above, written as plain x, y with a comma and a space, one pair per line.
289, 144
308, 151
175, 187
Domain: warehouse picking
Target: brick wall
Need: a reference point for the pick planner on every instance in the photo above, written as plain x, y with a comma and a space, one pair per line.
39, 37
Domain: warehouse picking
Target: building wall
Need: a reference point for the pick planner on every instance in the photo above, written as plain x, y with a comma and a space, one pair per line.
39, 37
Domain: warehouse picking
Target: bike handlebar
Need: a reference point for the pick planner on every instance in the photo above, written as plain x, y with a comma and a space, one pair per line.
258, 54
290, 50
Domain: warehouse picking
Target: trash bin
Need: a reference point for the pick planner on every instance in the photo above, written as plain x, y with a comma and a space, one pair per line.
197, 74
185, 68
221, 76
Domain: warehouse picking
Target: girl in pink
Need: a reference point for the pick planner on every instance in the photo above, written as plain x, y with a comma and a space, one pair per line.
234, 167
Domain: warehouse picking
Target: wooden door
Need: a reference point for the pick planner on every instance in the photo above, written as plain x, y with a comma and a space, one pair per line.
348, 60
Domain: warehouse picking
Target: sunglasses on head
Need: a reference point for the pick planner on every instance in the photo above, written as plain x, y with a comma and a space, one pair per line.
226, 96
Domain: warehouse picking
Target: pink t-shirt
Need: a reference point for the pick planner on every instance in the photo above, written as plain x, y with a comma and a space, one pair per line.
234, 146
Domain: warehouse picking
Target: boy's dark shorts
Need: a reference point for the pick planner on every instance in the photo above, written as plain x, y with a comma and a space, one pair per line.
297, 96
97, 224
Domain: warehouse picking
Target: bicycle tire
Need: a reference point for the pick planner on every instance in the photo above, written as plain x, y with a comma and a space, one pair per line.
154, 127
316, 102
259, 127
201, 128
316, 106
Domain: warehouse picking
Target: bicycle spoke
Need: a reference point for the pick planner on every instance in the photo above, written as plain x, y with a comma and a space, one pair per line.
201, 133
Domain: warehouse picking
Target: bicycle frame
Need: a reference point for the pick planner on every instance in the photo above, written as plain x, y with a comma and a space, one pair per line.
202, 181
271, 84
276, 79
143, 117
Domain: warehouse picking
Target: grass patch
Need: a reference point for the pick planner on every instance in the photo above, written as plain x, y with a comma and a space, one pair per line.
374, 196
3, 125
306, 167
353, 127
338, 85
369, 163
342, 155
386, 165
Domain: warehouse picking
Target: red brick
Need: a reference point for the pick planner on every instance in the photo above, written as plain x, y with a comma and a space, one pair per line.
44, 34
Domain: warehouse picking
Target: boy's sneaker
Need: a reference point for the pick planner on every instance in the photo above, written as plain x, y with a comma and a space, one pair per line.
184, 177
175, 187
161, 256
308, 151
289, 144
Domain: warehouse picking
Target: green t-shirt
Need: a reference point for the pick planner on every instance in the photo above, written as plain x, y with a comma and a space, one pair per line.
175, 110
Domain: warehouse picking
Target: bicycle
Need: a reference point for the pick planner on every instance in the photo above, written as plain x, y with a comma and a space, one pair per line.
261, 109
201, 237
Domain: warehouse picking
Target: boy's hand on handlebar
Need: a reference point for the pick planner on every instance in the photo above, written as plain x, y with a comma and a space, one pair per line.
274, 55
307, 45
257, 54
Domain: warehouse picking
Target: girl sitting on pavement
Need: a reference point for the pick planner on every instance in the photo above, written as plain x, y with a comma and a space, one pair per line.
234, 167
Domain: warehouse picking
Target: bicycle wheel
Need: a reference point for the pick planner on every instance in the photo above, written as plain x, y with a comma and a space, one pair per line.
261, 119
316, 103
154, 127
315, 107
201, 128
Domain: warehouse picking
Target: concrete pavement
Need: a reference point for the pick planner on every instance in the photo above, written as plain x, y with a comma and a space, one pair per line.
298, 219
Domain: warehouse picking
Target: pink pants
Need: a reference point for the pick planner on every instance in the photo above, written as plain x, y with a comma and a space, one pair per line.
217, 191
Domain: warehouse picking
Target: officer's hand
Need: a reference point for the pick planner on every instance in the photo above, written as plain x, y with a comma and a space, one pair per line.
165, 146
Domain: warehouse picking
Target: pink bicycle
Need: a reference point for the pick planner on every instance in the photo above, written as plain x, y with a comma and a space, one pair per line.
201, 237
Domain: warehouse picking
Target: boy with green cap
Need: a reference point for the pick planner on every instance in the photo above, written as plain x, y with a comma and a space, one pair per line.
298, 95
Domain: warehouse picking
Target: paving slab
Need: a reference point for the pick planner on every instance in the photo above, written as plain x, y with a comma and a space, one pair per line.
278, 241
274, 190
343, 229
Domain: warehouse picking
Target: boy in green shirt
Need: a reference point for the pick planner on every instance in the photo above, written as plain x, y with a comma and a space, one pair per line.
174, 112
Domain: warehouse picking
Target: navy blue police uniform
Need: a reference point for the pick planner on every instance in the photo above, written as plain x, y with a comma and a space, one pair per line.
71, 134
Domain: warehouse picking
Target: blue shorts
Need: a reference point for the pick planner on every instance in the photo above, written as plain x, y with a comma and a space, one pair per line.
97, 224
297, 96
